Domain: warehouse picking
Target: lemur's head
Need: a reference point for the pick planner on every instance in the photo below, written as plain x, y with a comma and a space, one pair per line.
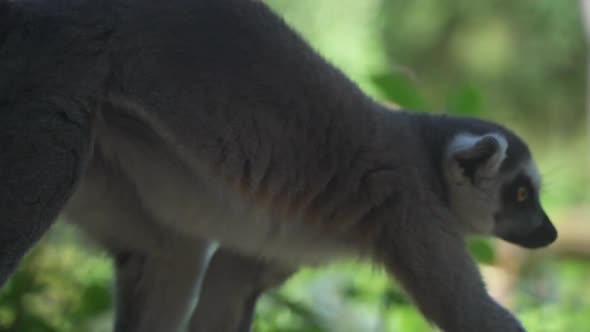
493, 186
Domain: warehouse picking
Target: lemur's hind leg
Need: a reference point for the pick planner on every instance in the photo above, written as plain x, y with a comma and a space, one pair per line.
43, 149
156, 293
158, 270
232, 286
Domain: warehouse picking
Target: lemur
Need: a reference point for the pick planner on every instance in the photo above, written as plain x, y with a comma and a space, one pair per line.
171, 129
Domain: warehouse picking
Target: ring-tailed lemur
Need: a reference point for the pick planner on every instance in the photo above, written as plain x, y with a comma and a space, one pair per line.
180, 124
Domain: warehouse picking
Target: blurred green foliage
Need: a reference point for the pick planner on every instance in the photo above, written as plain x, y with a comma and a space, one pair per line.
521, 63
61, 286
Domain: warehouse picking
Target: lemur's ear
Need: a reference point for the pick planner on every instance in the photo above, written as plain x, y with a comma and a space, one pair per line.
474, 157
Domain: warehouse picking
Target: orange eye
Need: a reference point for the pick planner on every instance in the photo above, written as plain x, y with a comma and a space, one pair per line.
522, 194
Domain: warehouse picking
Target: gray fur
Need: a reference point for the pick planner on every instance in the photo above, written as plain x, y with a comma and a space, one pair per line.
475, 198
210, 122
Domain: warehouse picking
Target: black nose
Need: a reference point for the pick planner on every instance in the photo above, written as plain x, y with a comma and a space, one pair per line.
543, 236
540, 237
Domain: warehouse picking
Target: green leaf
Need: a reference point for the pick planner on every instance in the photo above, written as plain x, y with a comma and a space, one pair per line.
466, 100
482, 250
399, 89
95, 300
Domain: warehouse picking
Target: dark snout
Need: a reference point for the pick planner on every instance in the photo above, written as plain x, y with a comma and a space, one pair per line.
542, 236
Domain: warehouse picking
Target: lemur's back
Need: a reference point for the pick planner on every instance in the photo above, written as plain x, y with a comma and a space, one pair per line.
235, 83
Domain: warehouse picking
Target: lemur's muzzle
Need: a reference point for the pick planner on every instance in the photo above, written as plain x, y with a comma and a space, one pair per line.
542, 236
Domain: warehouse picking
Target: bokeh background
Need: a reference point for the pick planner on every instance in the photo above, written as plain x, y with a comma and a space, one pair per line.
521, 63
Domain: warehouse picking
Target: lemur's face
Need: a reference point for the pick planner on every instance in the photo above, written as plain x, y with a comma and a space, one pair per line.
521, 219
489, 199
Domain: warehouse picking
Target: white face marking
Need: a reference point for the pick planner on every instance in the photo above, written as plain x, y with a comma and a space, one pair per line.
532, 171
